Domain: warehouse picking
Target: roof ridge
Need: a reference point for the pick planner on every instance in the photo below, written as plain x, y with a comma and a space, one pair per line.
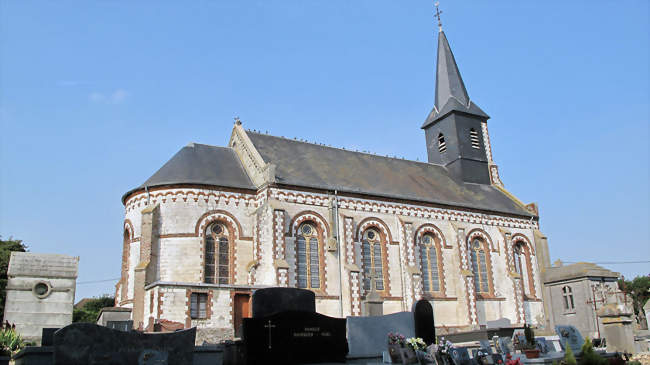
192, 144
342, 148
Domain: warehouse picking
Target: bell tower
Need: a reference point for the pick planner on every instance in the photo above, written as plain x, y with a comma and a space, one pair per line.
456, 128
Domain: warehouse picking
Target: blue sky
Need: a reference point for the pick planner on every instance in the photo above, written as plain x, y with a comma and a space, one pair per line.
95, 96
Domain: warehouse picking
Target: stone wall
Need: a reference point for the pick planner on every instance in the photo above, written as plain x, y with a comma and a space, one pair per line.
264, 225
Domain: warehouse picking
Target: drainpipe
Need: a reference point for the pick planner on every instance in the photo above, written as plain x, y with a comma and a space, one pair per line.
338, 249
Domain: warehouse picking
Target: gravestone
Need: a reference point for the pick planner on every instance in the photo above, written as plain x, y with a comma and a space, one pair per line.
542, 345
87, 343
368, 336
460, 356
503, 345
570, 336
47, 336
294, 337
269, 301
518, 338
424, 323
485, 345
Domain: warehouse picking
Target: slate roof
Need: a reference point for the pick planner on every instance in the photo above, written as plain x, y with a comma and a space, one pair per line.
316, 166
451, 94
203, 165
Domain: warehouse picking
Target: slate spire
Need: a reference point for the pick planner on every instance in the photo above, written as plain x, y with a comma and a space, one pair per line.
451, 93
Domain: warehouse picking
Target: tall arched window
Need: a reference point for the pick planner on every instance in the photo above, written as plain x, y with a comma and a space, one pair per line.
567, 294
429, 261
517, 251
307, 257
480, 267
217, 254
442, 145
473, 136
372, 260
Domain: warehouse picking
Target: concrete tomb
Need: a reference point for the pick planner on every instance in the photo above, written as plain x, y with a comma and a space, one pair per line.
368, 336
40, 292
570, 336
618, 328
86, 343
424, 322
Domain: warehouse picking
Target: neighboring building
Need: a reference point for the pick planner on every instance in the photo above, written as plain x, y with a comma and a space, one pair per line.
572, 291
115, 317
40, 292
215, 223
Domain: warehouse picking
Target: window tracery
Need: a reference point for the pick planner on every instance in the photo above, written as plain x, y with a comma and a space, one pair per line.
480, 266
429, 253
371, 253
217, 254
308, 257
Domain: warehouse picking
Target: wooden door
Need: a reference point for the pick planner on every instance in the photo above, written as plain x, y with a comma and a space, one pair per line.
242, 310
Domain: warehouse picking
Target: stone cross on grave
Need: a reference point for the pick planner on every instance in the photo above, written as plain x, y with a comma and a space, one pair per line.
270, 327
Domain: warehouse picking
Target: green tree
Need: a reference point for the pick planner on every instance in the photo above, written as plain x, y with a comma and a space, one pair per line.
90, 310
6, 247
638, 290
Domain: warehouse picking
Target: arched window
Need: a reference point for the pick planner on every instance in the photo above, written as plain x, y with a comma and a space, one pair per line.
479, 267
567, 294
217, 255
517, 250
307, 257
442, 146
429, 261
473, 137
372, 260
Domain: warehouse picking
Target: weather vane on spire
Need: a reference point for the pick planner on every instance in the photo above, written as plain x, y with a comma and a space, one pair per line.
438, 12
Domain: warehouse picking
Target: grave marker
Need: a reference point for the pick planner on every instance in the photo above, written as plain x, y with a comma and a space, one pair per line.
87, 343
424, 322
570, 336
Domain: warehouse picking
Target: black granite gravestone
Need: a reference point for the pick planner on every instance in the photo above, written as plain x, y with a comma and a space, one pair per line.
294, 337
47, 336
87, 343
270, 301
424, 324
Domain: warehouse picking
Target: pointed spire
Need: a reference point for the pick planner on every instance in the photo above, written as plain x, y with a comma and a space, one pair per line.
451, 93
449, 83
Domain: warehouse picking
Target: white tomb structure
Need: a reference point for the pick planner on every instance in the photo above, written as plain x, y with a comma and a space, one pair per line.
40, 292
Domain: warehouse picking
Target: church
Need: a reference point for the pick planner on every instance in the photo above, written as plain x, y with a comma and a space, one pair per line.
214, 224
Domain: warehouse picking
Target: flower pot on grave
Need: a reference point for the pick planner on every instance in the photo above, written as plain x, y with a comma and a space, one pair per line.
531, 353
394, 353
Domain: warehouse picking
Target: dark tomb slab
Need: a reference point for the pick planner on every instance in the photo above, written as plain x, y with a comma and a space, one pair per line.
270, 301
87, 343
294, 337
47, 336
423, 318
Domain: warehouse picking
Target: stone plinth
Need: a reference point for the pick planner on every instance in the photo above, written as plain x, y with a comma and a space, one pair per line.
617, 328
40, 292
